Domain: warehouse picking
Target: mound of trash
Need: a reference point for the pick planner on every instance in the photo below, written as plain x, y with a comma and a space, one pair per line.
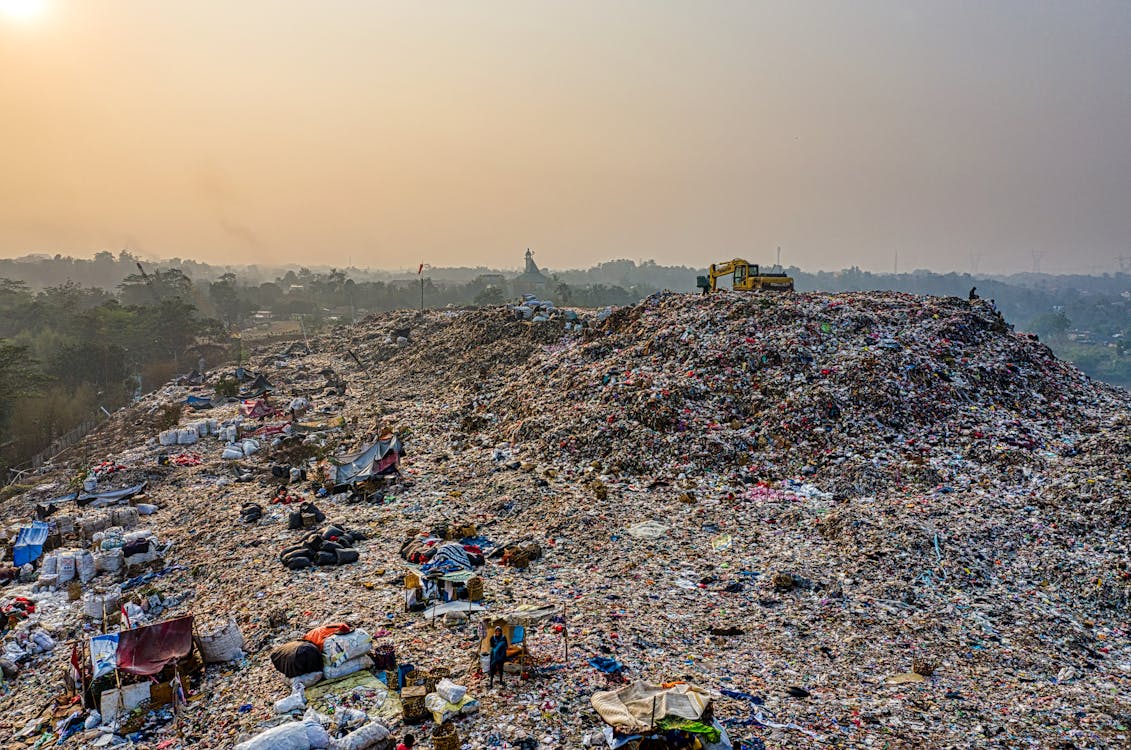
856, 393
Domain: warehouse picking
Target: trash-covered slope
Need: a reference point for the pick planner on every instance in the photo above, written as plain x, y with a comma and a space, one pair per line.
704, 513
858, 393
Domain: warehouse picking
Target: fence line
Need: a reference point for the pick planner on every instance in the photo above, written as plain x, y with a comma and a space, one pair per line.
58, 445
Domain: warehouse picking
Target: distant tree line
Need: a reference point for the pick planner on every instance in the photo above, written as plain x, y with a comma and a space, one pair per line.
67, 350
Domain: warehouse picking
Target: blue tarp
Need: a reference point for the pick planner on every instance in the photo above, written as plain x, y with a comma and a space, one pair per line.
605, 664
198, 402
29, 543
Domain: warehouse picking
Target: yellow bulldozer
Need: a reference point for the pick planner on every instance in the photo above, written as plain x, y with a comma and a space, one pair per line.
747, 277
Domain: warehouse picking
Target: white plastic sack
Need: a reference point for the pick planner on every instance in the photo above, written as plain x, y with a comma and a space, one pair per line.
363, 738
43, 641
66, 568
187, 436
125, 517
312, 715
231, 453
292, 702
168, 437
338, 649
306, 680
84, 566
97, 606
250, 446
317, 735
450, 691
134, 612
110, 561
146, 509
349, 667
50, 566
293, 736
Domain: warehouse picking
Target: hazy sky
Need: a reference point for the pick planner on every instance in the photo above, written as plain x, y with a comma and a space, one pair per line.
953, 133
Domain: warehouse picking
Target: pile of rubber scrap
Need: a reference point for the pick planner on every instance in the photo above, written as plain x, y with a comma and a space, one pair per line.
519, 555
251, 512
330, 546
307, 516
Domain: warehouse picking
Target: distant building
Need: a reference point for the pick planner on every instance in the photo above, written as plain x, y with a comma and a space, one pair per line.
531, 280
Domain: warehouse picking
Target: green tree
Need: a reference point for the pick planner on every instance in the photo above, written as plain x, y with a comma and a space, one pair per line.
19, 378
225, 297
1051, 325
491, 295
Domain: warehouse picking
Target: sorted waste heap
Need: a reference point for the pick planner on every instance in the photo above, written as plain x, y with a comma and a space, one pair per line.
856, 520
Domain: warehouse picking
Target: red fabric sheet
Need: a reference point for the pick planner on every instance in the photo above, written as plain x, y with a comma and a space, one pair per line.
146, 650
318, 636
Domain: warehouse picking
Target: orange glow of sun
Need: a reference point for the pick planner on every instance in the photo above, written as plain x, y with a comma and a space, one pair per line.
22, 10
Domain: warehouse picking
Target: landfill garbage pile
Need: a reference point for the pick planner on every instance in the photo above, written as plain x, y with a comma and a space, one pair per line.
856, 393
855, 521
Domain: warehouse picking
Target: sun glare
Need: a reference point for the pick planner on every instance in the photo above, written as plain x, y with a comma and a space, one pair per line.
22, 10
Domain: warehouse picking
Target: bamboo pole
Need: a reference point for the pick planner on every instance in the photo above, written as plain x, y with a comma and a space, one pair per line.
176, 708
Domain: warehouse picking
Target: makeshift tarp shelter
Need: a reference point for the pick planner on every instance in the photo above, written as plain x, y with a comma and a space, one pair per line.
376, 460
257, 387
257, 409
143, 650
29, 543
643, 708
514, 625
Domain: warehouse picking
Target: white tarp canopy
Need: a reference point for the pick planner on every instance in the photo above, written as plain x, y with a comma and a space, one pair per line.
637, 706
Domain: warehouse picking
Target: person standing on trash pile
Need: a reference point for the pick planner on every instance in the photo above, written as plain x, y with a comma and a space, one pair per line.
973, 293
408, 743
498, 655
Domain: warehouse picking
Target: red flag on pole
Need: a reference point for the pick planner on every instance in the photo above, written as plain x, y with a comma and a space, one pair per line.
420, 270
77, 668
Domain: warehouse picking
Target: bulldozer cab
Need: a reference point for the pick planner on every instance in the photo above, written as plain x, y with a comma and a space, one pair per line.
739, 277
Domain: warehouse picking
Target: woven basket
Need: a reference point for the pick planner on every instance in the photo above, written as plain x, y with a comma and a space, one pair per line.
433, 676
475, 589
413, 703
445, 737
384, 656
412, 580
415, 678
